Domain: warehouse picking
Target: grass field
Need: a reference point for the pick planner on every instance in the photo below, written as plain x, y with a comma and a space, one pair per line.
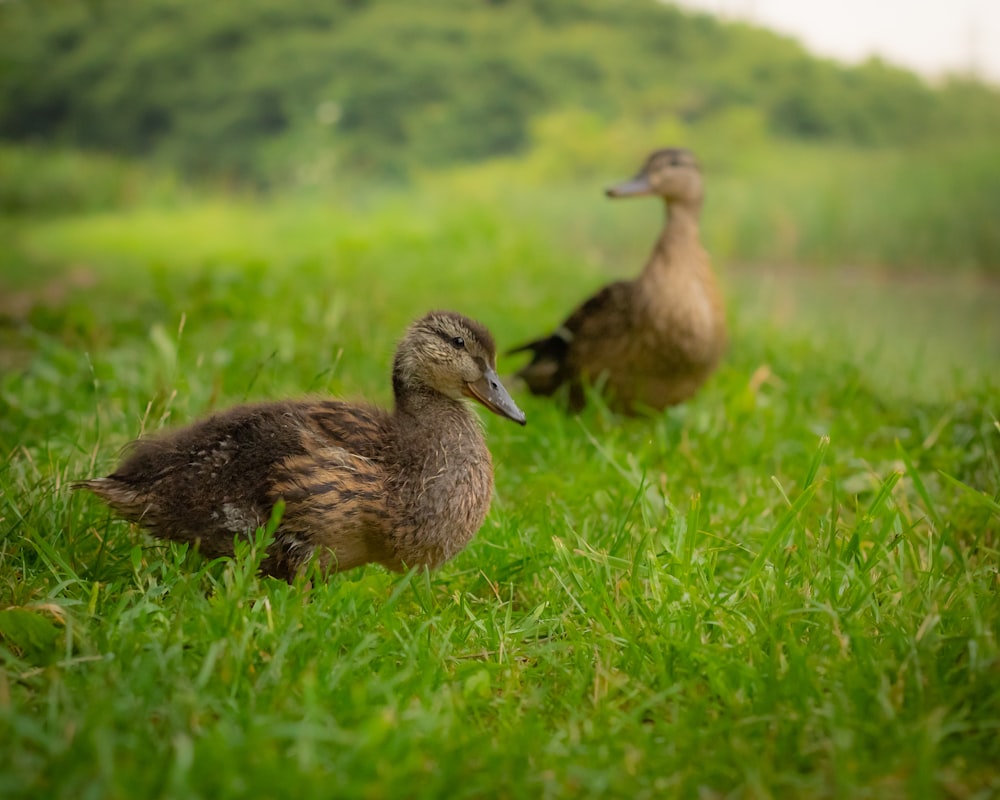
787, 587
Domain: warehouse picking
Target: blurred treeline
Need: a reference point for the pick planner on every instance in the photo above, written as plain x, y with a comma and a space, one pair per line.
290, 93
260, 89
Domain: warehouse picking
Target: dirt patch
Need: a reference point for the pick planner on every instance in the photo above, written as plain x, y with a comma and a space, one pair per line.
17, 306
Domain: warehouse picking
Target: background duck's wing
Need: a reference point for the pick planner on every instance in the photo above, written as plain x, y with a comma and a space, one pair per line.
555, 358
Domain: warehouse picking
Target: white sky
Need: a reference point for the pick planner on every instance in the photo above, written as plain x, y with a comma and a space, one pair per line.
933, 37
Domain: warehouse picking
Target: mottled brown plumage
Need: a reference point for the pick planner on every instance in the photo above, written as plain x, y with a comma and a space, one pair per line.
360, 484
650, 342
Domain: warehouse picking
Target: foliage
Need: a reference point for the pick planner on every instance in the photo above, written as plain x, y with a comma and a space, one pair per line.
267, 90
38, 181
787, 586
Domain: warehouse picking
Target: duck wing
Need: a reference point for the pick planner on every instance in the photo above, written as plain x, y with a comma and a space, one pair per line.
556, 358
221, 476
334, 491
206, 481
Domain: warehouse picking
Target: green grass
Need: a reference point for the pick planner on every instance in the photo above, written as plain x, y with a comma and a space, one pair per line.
786, 587
768, 201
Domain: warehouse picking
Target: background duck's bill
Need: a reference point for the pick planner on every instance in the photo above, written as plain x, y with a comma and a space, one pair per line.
633, 188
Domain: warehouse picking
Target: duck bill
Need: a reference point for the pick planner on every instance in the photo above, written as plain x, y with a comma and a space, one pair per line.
489, 391
636, 187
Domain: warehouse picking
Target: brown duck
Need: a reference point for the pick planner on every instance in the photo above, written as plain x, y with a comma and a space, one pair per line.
650, 342
360, 484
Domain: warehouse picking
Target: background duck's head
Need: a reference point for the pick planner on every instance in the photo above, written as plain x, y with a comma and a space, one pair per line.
671, 173
454, 356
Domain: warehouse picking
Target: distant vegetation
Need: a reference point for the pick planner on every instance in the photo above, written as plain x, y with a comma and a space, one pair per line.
271, 90
109, 105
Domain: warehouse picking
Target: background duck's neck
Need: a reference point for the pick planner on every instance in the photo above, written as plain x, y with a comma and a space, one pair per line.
680, 237
677, 290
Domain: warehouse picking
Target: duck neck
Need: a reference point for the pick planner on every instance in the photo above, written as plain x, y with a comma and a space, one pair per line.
677, 269
441, 480
430, 415
680, 235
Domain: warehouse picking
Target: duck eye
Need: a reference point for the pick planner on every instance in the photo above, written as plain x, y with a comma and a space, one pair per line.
458, 342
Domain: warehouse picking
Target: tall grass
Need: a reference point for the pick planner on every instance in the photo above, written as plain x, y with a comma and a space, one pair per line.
769, 202
922, 208
786, 203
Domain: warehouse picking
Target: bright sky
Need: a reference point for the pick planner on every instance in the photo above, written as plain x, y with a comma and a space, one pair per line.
933, 37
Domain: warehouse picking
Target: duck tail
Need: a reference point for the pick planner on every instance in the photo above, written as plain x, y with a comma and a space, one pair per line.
95, 485
547, 369
108, 489
126, 500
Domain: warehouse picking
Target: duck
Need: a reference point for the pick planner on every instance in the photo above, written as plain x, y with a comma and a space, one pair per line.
407, 487
651, 342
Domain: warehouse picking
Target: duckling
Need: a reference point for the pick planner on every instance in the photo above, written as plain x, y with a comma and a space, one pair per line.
649, 342
360, 484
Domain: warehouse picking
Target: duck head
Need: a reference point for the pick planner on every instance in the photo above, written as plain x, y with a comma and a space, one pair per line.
671, 173
455, 356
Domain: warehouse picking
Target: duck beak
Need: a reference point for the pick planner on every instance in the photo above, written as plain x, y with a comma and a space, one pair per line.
638, 186
489, 391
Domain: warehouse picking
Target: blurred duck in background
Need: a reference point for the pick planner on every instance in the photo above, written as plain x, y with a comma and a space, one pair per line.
651, 342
